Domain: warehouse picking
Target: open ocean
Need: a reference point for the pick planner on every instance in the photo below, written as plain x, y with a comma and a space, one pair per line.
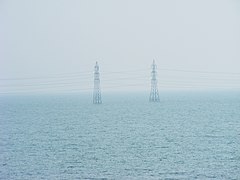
185, 136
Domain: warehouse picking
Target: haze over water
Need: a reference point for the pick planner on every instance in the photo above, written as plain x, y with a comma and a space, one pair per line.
49, 128
185, 136
66, 37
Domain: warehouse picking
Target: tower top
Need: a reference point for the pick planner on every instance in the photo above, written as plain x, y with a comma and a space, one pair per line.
154, 66
96, 67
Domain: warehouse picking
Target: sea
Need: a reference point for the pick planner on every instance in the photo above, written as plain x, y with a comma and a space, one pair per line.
187, 135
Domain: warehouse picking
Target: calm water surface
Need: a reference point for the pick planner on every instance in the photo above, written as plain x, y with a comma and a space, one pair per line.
185, 136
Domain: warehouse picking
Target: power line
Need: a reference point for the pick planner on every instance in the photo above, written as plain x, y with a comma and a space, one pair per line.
162, 84
68, 75
202, 72
129, 78
72, 80
89, 73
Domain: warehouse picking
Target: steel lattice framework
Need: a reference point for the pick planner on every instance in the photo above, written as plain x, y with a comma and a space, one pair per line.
97, 91
154, 95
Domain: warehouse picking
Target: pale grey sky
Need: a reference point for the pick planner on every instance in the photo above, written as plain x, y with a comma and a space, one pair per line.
40, 39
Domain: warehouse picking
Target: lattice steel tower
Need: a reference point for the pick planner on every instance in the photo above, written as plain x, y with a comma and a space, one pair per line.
97, 91
154, 96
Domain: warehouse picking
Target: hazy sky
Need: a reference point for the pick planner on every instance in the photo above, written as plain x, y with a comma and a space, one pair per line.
49, 43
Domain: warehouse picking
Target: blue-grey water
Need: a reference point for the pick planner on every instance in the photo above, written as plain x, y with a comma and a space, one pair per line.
185, 136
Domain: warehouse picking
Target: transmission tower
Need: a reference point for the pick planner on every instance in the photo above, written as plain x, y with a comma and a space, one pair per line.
154, 96
97, 91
